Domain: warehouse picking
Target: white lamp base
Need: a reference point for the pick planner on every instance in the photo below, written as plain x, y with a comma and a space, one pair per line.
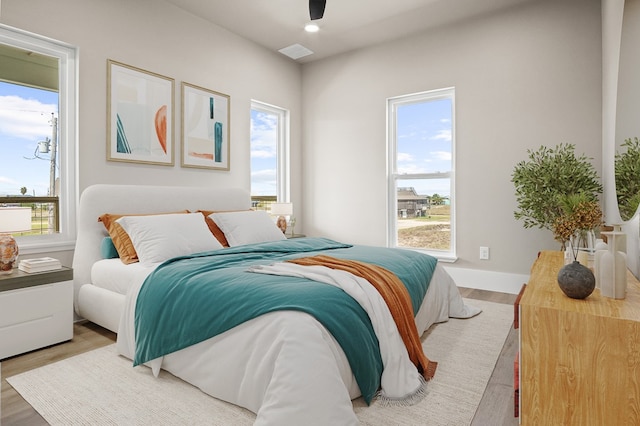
8, 254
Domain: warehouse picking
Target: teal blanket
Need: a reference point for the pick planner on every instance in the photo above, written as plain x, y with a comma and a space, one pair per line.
189, 299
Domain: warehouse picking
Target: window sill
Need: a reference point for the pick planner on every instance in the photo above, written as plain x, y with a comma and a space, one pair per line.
441, 256
45, 247
445, 258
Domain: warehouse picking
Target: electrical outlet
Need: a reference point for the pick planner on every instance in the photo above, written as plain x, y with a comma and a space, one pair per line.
484, 253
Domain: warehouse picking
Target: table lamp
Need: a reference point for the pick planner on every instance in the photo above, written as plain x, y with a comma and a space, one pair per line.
12, 219
282, 210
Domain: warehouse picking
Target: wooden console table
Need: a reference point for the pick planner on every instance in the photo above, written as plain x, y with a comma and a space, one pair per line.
579, 359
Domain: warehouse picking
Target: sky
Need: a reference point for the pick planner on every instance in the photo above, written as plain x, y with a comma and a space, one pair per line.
25, 119
424, 139
424, 146
264, 153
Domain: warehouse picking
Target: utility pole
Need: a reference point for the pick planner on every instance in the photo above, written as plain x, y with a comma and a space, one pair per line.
52, 173
54, 145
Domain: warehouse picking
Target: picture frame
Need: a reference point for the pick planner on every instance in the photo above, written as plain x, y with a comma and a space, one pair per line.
140, 115
205, 128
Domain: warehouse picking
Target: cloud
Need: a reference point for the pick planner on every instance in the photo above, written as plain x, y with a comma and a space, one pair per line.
441, 155
25, 118
262, 153
442, 135
4, 179
263, 182
262, 120
410, 135
404, 157
263, 135
266, 175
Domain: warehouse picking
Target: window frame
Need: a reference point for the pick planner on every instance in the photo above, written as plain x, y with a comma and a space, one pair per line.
392, 168
67, 56
283, 172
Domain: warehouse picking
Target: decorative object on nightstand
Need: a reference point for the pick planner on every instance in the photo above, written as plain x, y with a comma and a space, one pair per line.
549, 175
292, 222
576, 280
12, 220
282, 210
42, 264
578, 218
612, 268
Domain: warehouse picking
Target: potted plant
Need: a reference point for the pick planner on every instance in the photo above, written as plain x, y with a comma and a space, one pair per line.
546, 179
558, 191
580, 216
627, 173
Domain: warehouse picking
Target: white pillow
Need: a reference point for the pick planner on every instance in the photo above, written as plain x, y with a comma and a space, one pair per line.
247, 227
160, 237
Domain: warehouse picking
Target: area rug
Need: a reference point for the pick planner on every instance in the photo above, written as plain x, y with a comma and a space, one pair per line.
101, 388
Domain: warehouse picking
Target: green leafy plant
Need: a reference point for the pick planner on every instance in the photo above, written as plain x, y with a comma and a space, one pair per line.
627, 173
546, 178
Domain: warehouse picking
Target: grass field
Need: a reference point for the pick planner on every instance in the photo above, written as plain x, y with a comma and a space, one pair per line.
432, 231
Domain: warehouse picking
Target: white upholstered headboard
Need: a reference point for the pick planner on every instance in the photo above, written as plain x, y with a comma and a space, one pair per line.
123, 199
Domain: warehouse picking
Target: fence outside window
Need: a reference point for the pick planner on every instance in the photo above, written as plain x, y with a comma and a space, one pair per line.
45, 213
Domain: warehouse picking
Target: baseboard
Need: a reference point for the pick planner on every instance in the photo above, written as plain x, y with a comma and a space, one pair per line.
487, 280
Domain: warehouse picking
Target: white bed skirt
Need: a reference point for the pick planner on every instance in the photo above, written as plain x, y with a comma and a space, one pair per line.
275, 353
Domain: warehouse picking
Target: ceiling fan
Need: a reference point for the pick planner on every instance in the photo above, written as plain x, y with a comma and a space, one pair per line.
316, 9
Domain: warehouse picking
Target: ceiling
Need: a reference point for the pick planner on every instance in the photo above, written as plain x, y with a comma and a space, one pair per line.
346, 25
43, 69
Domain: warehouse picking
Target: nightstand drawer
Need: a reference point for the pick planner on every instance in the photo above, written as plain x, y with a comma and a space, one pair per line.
34, 317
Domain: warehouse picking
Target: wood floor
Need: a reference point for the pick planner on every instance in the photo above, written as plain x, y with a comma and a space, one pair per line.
496, 407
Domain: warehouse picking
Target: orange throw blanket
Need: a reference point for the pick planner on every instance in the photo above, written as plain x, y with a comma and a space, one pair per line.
395, 296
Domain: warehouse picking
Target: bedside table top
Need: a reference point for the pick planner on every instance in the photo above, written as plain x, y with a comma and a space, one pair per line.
543, 291
20, 279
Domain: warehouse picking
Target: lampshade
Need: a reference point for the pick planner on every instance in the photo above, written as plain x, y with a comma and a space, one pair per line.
15, 219
282, 209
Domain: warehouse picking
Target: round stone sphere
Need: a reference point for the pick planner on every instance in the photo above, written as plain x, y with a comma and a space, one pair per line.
576, 280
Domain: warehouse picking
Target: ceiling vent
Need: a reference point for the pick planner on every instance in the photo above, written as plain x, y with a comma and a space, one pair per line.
295, 51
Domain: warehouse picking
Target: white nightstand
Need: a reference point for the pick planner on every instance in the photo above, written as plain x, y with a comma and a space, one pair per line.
36, 310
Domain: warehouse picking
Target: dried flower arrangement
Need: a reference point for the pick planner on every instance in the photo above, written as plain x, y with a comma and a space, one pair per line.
580, 214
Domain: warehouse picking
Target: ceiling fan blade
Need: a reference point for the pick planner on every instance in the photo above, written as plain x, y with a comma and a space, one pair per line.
316, 9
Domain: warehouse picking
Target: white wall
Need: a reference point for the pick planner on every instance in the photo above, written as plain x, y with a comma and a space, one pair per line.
156, 36
525, 77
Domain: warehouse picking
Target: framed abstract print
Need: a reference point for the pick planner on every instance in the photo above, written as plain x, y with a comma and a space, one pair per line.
140, 115
205, 128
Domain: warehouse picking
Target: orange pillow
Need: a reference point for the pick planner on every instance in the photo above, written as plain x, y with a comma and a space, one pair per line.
120, 238
215, 230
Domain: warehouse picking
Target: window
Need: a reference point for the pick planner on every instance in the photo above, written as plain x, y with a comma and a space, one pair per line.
269, 155
38, 136
421, 172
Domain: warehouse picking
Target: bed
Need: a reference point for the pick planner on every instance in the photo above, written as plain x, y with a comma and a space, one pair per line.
282, 364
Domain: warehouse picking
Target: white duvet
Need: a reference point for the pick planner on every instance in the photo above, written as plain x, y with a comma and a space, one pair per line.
284, 366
